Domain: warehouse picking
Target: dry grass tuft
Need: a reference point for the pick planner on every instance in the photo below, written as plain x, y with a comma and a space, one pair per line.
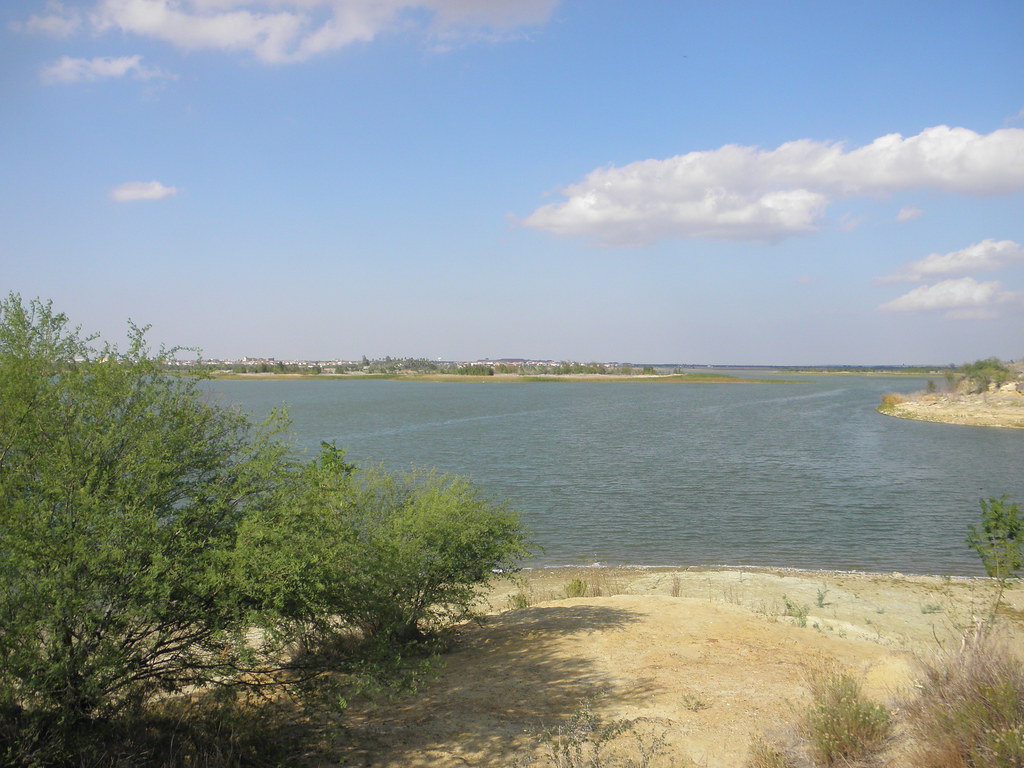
891, 399
969, 712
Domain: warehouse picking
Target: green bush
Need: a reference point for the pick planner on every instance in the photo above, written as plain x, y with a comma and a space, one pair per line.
982, 373
576, 588
145, 534
399, 557
842, 725
122, 492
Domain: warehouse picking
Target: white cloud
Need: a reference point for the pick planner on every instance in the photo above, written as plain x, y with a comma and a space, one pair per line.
278, 31
746, 193
141, 190
58, 22
986, 256
909, 213
71, 70
964, 298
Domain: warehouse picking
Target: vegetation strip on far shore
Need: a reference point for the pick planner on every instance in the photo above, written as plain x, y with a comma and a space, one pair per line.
680, 378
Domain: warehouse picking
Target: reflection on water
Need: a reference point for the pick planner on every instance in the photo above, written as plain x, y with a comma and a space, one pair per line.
803, 475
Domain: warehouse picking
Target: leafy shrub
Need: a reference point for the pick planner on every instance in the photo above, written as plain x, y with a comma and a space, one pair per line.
982, 373
397, 556
842, 725
122, 492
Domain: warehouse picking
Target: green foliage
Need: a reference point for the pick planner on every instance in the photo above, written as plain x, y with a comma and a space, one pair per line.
982, 373
475, 370
576, 588
145, 534
122, 492
841, 724
798, 612
999, 541
398, 556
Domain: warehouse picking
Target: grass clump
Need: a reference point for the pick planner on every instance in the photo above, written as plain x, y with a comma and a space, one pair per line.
585, 741
576, 588
766, 755
841, 723
969, 712
798, 612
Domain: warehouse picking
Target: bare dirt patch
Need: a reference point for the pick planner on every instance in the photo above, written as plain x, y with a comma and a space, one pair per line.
706, 659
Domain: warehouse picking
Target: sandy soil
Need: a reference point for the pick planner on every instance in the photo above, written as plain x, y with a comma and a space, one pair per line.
992, 409
705, 659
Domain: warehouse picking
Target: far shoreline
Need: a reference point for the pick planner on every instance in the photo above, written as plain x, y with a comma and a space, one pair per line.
674, 378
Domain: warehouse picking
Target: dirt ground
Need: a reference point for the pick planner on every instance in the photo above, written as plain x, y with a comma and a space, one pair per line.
701, 659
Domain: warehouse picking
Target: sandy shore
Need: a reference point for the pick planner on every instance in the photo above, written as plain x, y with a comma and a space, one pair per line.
704, 658
992, 409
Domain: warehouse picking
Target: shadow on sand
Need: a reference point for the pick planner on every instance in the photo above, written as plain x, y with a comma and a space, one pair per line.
500, 684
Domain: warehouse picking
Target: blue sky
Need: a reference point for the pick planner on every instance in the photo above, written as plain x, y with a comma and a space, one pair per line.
709, 182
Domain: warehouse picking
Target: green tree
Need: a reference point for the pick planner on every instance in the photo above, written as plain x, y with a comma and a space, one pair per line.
121, 494
999, 541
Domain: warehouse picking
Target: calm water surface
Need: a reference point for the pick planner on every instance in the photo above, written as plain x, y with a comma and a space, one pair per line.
803, 475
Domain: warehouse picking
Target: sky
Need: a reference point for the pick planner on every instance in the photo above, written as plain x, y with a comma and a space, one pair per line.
713, 182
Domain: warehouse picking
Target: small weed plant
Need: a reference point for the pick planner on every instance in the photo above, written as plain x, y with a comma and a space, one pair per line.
822, 594
694, 703
798, 612
842, 724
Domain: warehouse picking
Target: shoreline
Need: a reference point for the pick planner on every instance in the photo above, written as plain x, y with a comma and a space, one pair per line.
767, 569
999, 410
673, 378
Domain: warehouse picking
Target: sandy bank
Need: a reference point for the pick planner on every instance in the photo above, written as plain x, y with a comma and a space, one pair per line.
991, 409
705, 658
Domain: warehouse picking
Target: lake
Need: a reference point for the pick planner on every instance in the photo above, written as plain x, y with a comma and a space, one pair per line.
801, 475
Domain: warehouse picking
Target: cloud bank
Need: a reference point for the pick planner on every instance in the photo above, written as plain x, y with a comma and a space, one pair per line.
959, 297
281, 31
963, 298
746, 193
131, 191
986, 256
